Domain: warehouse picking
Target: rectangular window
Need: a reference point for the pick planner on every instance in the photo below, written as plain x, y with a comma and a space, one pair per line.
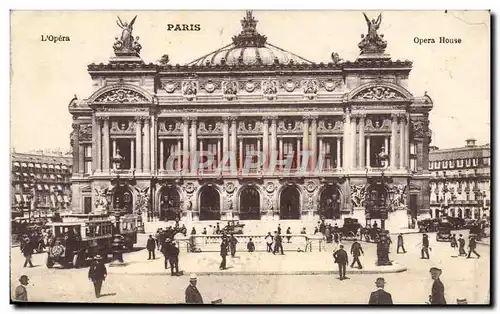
438, 165
467, 162
430, 166
413, 149
87, 204
88, 167
452, 164
413, 164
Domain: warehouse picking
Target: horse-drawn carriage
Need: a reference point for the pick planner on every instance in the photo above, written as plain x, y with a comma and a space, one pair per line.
350, 229
233, 227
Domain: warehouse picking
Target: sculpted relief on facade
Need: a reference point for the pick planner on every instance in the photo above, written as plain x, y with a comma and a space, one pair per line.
379, 93
85, 132
358, 195
121, 95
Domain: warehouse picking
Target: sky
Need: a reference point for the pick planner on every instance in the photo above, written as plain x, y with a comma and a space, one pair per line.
46, 75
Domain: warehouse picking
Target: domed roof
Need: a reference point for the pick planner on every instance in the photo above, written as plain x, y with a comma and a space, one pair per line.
249, 48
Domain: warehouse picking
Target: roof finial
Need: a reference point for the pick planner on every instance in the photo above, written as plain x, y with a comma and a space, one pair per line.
249, 37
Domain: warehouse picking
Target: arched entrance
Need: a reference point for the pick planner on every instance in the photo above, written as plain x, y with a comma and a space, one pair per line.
122, 199
329, 202
249, 203
290, 203
209, 203
170, 204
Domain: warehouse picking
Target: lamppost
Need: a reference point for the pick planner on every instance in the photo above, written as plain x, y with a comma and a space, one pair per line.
117, 244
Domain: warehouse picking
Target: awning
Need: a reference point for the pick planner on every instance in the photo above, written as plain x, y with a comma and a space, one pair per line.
46, 187
64, 167
59, 176
16, 164
57, 167
59, 198
31, 164
37, 165
23, 164
39, 187
18, 198
26, 185
25, 198
59, 188
44, 166
66, 198
51, 166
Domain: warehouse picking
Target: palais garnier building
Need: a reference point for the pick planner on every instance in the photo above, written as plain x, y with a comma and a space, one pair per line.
252, 131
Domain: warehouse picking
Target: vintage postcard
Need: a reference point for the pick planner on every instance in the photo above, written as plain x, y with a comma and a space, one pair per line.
250, 157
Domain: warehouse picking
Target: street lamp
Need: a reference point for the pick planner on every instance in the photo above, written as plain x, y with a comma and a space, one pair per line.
117, 244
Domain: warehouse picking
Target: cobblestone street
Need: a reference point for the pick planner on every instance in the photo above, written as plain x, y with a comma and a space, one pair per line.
411, 286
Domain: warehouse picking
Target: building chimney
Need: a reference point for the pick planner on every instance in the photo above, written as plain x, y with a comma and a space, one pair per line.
471, 142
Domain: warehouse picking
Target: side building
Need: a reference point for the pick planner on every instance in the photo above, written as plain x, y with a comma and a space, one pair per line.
460, 181
40, 183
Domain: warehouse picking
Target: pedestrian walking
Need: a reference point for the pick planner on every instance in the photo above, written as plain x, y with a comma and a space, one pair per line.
356, 251
193, 296
279, 229
28, 252
453, 241
425, 247
165, 249
437, 292
341, 258
232, 244
269, 242
288, 231
151, 246
461, 246
250, 246
223, 254
472, 247
278, 244
97, 274
157, 237
193, 231
173, 259
401, 244
21, 293
380, 296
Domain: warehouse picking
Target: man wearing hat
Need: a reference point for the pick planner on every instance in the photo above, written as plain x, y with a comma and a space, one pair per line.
28, 252
425, 247
97, 274
461, 246
472, 246
380, 296
223, 253
193, 296
151, 246
21, 292
173, 258
437, 292
166, 250
341, 259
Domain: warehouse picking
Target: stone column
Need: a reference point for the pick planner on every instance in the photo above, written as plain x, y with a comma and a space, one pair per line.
179, 156
386, 145
314, 141
273, 138
368, 153
162, 149
200, 170
352, 138
298, 154
132, 152
407, 142
258, 151
241, 159
338, 153
305, 139
114, 148
138, 141
321, 153
194, 140
99, 145
225, 136
265, 142
154, 143
105, 146
95, 126
394, 122
185, 144
361, 142
233, 141
81, 158
345, 140
401, 142
147, 149
281, 153
76, 148
219, 154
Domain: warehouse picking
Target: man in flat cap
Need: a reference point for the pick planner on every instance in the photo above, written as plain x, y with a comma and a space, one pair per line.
380, 296
437, 292
193, 296
97, 274
21, 293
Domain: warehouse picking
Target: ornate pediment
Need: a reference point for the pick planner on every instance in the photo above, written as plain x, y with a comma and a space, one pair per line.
209, 127
251, 127
290, 126
122, 93
169, 127
380, 91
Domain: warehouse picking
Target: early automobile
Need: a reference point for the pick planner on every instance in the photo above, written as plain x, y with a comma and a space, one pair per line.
427, 225
233, 227
350, 228
76, 243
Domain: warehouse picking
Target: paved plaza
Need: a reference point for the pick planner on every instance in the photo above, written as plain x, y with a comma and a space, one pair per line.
146, 281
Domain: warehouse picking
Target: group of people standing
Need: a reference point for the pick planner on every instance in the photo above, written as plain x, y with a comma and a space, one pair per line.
170, 252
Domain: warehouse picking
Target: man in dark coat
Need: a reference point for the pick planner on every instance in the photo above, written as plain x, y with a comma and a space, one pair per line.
97, 274
28, 252
425, 246
269, 242
437, 292
342, 260
401, 243
356, 251
165, 249
472, 247
278, 243
250, 246
151, 246
223, 253
193, 296
232, 244
380, 296
173, 259
21, 294
279, 229
461, 246
288, 231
